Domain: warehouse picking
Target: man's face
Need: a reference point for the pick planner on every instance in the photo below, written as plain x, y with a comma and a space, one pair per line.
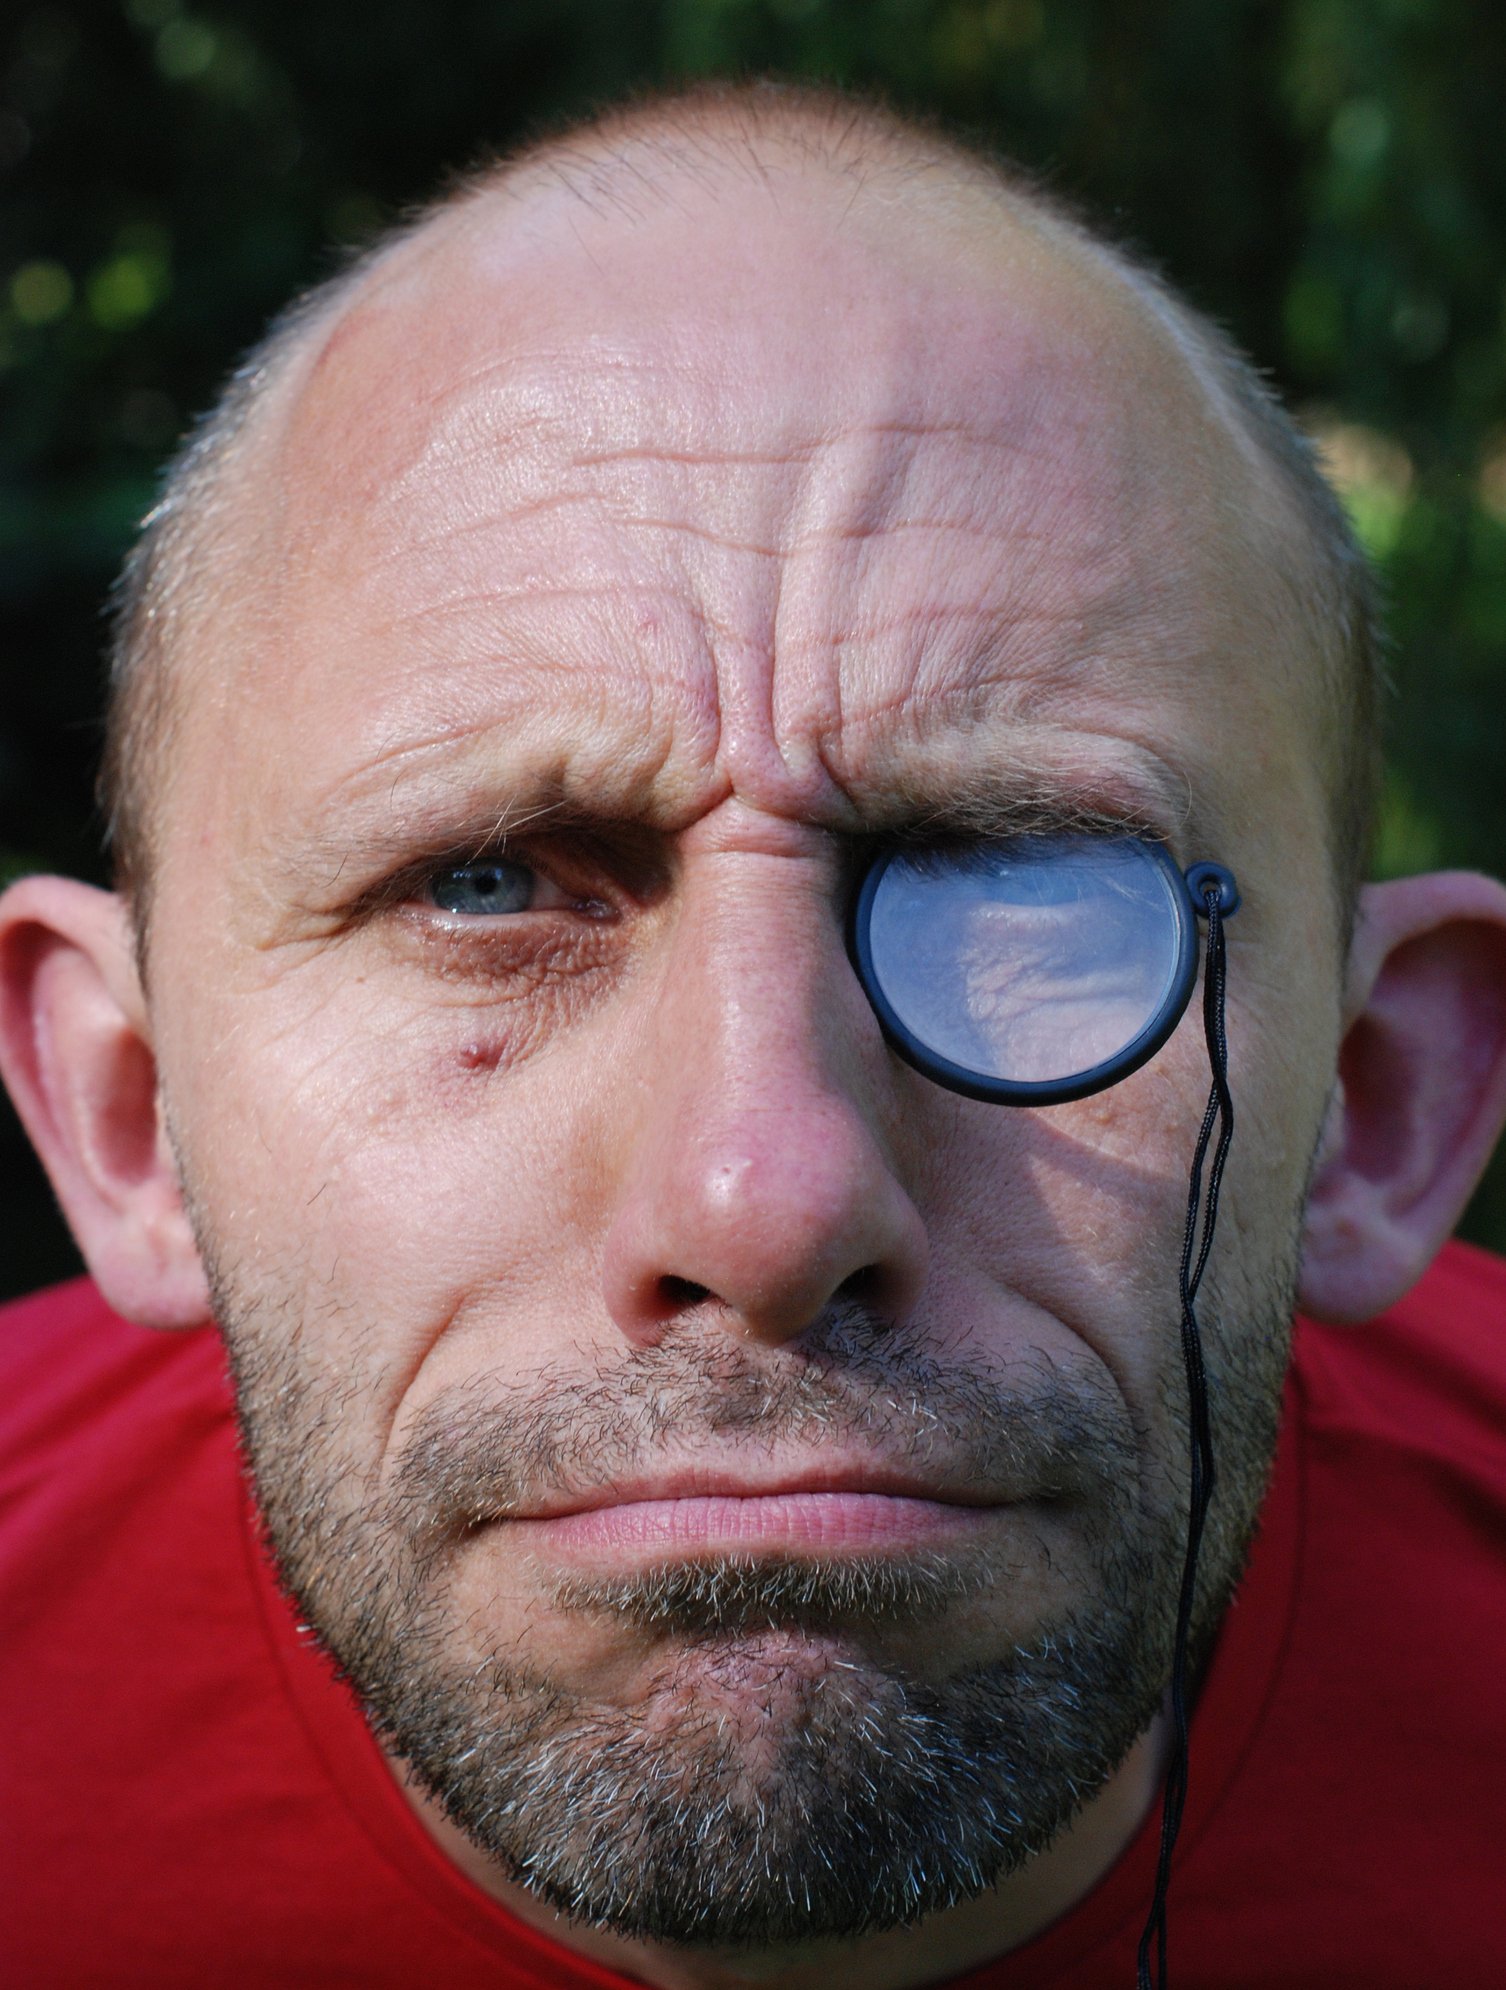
746, 1480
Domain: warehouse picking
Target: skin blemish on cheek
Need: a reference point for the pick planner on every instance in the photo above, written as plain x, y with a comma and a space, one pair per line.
487, 1050
481, 1056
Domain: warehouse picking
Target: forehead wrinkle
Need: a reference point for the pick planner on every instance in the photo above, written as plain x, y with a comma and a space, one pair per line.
868, 522
972, 641
991, 660
794, 452
1014, 557
588, 398
858, 627
813, 541
611, 592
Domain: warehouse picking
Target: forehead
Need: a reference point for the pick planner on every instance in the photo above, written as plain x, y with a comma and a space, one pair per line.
840, 506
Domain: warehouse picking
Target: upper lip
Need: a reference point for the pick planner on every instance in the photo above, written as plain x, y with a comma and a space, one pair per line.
767, 1480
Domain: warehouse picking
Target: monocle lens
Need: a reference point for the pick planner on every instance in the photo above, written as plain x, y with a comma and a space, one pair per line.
1028, 962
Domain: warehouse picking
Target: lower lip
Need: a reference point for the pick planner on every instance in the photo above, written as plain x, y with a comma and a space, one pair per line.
800, 1522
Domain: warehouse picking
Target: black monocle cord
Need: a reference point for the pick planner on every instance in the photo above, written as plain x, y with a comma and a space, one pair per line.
1197, 1241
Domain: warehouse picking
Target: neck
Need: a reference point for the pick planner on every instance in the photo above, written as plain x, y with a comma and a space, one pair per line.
944, 1945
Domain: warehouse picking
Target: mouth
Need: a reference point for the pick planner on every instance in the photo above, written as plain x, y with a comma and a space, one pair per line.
802, 1523
699, 1513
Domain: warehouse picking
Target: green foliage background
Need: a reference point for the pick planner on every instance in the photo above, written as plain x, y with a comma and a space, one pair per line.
1325, 176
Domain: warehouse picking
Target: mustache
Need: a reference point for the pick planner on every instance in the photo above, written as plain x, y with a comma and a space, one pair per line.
475, 1455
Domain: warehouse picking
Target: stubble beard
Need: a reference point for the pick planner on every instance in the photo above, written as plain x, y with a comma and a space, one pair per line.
772, 1784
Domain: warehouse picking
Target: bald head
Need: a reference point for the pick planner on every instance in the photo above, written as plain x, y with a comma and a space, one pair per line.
784, 241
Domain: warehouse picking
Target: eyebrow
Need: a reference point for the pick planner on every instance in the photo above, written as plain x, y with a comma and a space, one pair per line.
465, 797
1038, 780
342, 858
1041, 809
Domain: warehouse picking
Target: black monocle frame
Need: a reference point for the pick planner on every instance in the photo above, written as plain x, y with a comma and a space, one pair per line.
1044, 1092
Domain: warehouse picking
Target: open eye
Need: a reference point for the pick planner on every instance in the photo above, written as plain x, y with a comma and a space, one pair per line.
493, 886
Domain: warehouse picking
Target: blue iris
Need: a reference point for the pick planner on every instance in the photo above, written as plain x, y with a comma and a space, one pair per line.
492, 887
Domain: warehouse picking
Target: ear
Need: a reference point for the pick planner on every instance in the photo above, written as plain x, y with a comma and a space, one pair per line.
1421, 1093
75, 1051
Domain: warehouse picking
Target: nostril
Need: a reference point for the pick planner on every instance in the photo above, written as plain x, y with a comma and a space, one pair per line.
862, 1287
678, 1293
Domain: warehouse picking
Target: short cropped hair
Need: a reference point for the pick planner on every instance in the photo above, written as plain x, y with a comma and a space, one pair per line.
620, 156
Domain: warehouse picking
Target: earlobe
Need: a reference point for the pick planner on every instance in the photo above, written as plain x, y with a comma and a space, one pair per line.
76, 1055
1421, 1093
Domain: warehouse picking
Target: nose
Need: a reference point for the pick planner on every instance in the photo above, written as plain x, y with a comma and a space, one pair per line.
756, 1176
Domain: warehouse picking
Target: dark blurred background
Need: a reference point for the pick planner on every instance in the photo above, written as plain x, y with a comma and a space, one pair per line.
1327, 177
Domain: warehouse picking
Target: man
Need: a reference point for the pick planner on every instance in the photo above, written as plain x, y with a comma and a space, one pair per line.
744, 1481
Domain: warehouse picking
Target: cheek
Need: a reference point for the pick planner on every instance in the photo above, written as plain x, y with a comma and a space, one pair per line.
401, 1181
1283, 1028
1077, 1212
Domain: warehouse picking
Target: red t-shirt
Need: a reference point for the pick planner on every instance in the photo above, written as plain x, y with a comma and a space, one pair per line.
187, 1799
